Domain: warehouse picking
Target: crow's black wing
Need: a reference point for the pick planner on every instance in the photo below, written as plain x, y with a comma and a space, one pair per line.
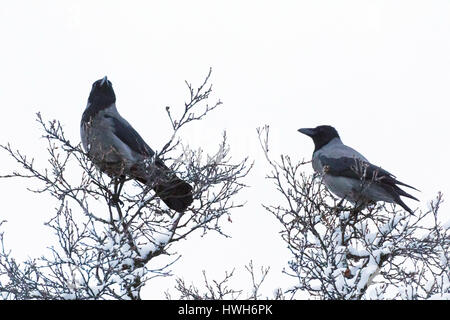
359, 169
353, 168
176, 193
130, 137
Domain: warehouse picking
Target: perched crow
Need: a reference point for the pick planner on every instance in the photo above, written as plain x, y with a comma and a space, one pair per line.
349, 175
118, 150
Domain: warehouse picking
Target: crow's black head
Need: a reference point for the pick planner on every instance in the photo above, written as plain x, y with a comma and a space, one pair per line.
102, 94
321, 135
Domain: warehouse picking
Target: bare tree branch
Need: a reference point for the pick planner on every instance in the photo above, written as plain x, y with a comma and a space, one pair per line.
223, 289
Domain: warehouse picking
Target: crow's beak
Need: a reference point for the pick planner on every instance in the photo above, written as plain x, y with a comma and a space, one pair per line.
308, 131
104, 80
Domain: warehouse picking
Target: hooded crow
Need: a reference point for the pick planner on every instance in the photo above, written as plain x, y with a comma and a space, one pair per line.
118, 150
349, 175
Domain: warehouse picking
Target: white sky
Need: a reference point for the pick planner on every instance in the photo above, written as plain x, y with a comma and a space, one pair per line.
379, 71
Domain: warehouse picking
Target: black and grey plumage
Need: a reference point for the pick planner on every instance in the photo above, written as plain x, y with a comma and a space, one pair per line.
348, 174
117, 149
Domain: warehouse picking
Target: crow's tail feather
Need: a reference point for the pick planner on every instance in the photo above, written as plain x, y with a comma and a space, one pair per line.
406, 185
399, 192
403, 205
176, 193
403, 193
